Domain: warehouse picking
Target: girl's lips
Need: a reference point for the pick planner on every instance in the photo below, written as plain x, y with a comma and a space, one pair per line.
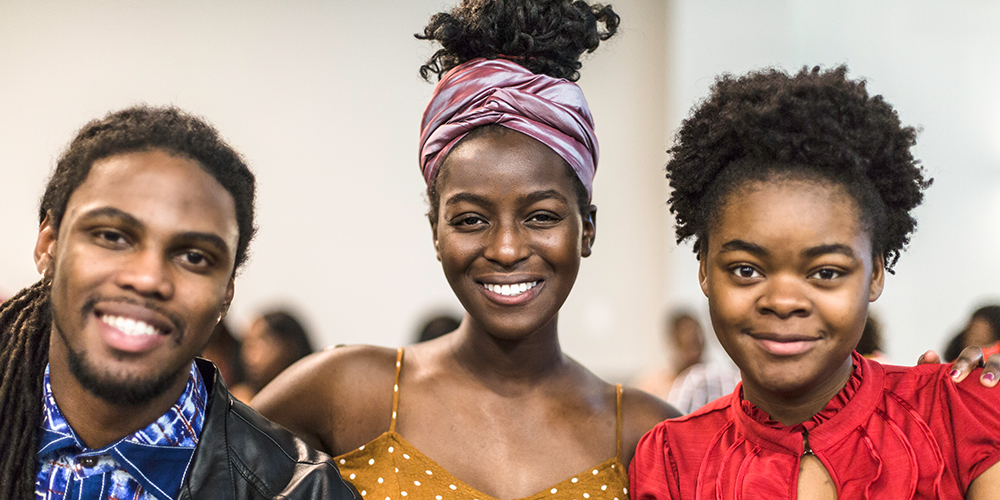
789, 347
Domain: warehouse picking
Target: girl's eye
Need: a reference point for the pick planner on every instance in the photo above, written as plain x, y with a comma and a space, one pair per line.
745, 272
827, 274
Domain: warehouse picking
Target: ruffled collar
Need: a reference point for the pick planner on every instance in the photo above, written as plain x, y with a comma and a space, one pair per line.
843, 412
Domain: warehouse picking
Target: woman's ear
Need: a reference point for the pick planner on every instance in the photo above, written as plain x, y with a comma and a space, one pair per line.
45, 246
589, 231
878, 278
434, 235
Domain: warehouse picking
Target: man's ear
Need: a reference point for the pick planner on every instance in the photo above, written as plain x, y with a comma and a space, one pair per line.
878, 279
703, 273
228, 299
589, 231
45, 246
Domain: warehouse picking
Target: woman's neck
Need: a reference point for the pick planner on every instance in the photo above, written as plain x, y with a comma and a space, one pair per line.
499, 361
794, 409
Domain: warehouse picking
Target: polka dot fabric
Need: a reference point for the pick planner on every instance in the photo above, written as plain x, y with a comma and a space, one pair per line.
390, 468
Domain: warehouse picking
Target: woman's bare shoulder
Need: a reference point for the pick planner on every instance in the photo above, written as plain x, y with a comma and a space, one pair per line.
336, 399
641, 412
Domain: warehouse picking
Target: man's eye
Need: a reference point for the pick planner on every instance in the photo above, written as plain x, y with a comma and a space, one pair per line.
110, 236
195, 258
745, 272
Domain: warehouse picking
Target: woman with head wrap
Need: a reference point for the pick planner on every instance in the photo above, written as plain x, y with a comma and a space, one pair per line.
494, 409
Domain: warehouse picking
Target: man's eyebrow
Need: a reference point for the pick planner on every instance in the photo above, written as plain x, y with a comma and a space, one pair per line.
745, 246
818, 250
210, 239
112, 213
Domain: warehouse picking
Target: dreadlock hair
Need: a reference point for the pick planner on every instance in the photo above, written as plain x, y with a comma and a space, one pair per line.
25, 323
546, 36
814, 125
25, 319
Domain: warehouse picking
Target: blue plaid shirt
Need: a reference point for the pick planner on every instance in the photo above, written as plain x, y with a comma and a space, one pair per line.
148, 464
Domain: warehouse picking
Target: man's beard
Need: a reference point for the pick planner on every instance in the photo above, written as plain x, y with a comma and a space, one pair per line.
117, 391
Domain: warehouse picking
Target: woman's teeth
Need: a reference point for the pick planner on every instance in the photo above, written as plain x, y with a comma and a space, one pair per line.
510, 290
130, 326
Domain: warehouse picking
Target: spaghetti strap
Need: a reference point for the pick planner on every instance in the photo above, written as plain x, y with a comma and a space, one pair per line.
395, 391
618, 420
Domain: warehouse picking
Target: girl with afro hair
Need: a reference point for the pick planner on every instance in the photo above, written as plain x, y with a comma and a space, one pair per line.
797, 191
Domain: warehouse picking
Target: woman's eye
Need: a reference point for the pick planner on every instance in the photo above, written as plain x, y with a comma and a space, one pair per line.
745, 272
469, 220
543, 217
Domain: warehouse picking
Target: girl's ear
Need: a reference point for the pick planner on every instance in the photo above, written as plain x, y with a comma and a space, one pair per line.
589, 232
45, 247
878, 279
703, 273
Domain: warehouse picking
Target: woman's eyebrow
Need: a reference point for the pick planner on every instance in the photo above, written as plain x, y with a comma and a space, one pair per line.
547, 194
466, 197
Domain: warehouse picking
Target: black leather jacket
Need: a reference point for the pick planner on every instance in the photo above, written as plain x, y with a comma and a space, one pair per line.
242, 455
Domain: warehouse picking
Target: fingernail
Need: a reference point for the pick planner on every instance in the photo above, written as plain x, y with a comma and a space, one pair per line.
954, 374
988, 377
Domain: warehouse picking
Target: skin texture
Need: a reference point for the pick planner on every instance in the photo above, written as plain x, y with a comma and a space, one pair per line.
148, 236
496, 402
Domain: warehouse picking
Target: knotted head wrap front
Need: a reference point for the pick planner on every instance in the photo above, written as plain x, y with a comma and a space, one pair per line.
482, 92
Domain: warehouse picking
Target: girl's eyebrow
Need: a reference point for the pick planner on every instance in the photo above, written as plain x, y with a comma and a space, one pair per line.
818, 250
744, 246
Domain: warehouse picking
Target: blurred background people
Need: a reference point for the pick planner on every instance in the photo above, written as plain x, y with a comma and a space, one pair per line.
223, 349
437, 326
687, 382
273, 342
870, 344
982, 330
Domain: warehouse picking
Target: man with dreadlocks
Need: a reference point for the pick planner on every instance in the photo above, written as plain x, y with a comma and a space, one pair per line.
142, 227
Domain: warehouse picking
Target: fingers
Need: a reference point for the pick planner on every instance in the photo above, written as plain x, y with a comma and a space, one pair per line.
970, 359
991, 372
928, 357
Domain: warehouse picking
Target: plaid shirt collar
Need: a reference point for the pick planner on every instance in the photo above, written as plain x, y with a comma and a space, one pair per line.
157, 456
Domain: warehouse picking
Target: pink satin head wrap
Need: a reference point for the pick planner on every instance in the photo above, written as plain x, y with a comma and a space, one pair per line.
481, 92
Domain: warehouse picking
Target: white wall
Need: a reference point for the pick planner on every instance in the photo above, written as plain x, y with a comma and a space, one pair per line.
324, 100
937, 63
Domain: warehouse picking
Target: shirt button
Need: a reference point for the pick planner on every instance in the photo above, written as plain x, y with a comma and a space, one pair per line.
88, 462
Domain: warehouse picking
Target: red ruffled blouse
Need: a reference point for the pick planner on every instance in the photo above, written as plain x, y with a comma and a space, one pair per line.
893, 432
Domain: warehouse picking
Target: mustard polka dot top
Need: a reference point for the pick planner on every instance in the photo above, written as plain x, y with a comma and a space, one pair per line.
390, 468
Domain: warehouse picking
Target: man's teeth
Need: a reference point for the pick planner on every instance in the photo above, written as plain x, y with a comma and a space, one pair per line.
510, 290
130, 326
